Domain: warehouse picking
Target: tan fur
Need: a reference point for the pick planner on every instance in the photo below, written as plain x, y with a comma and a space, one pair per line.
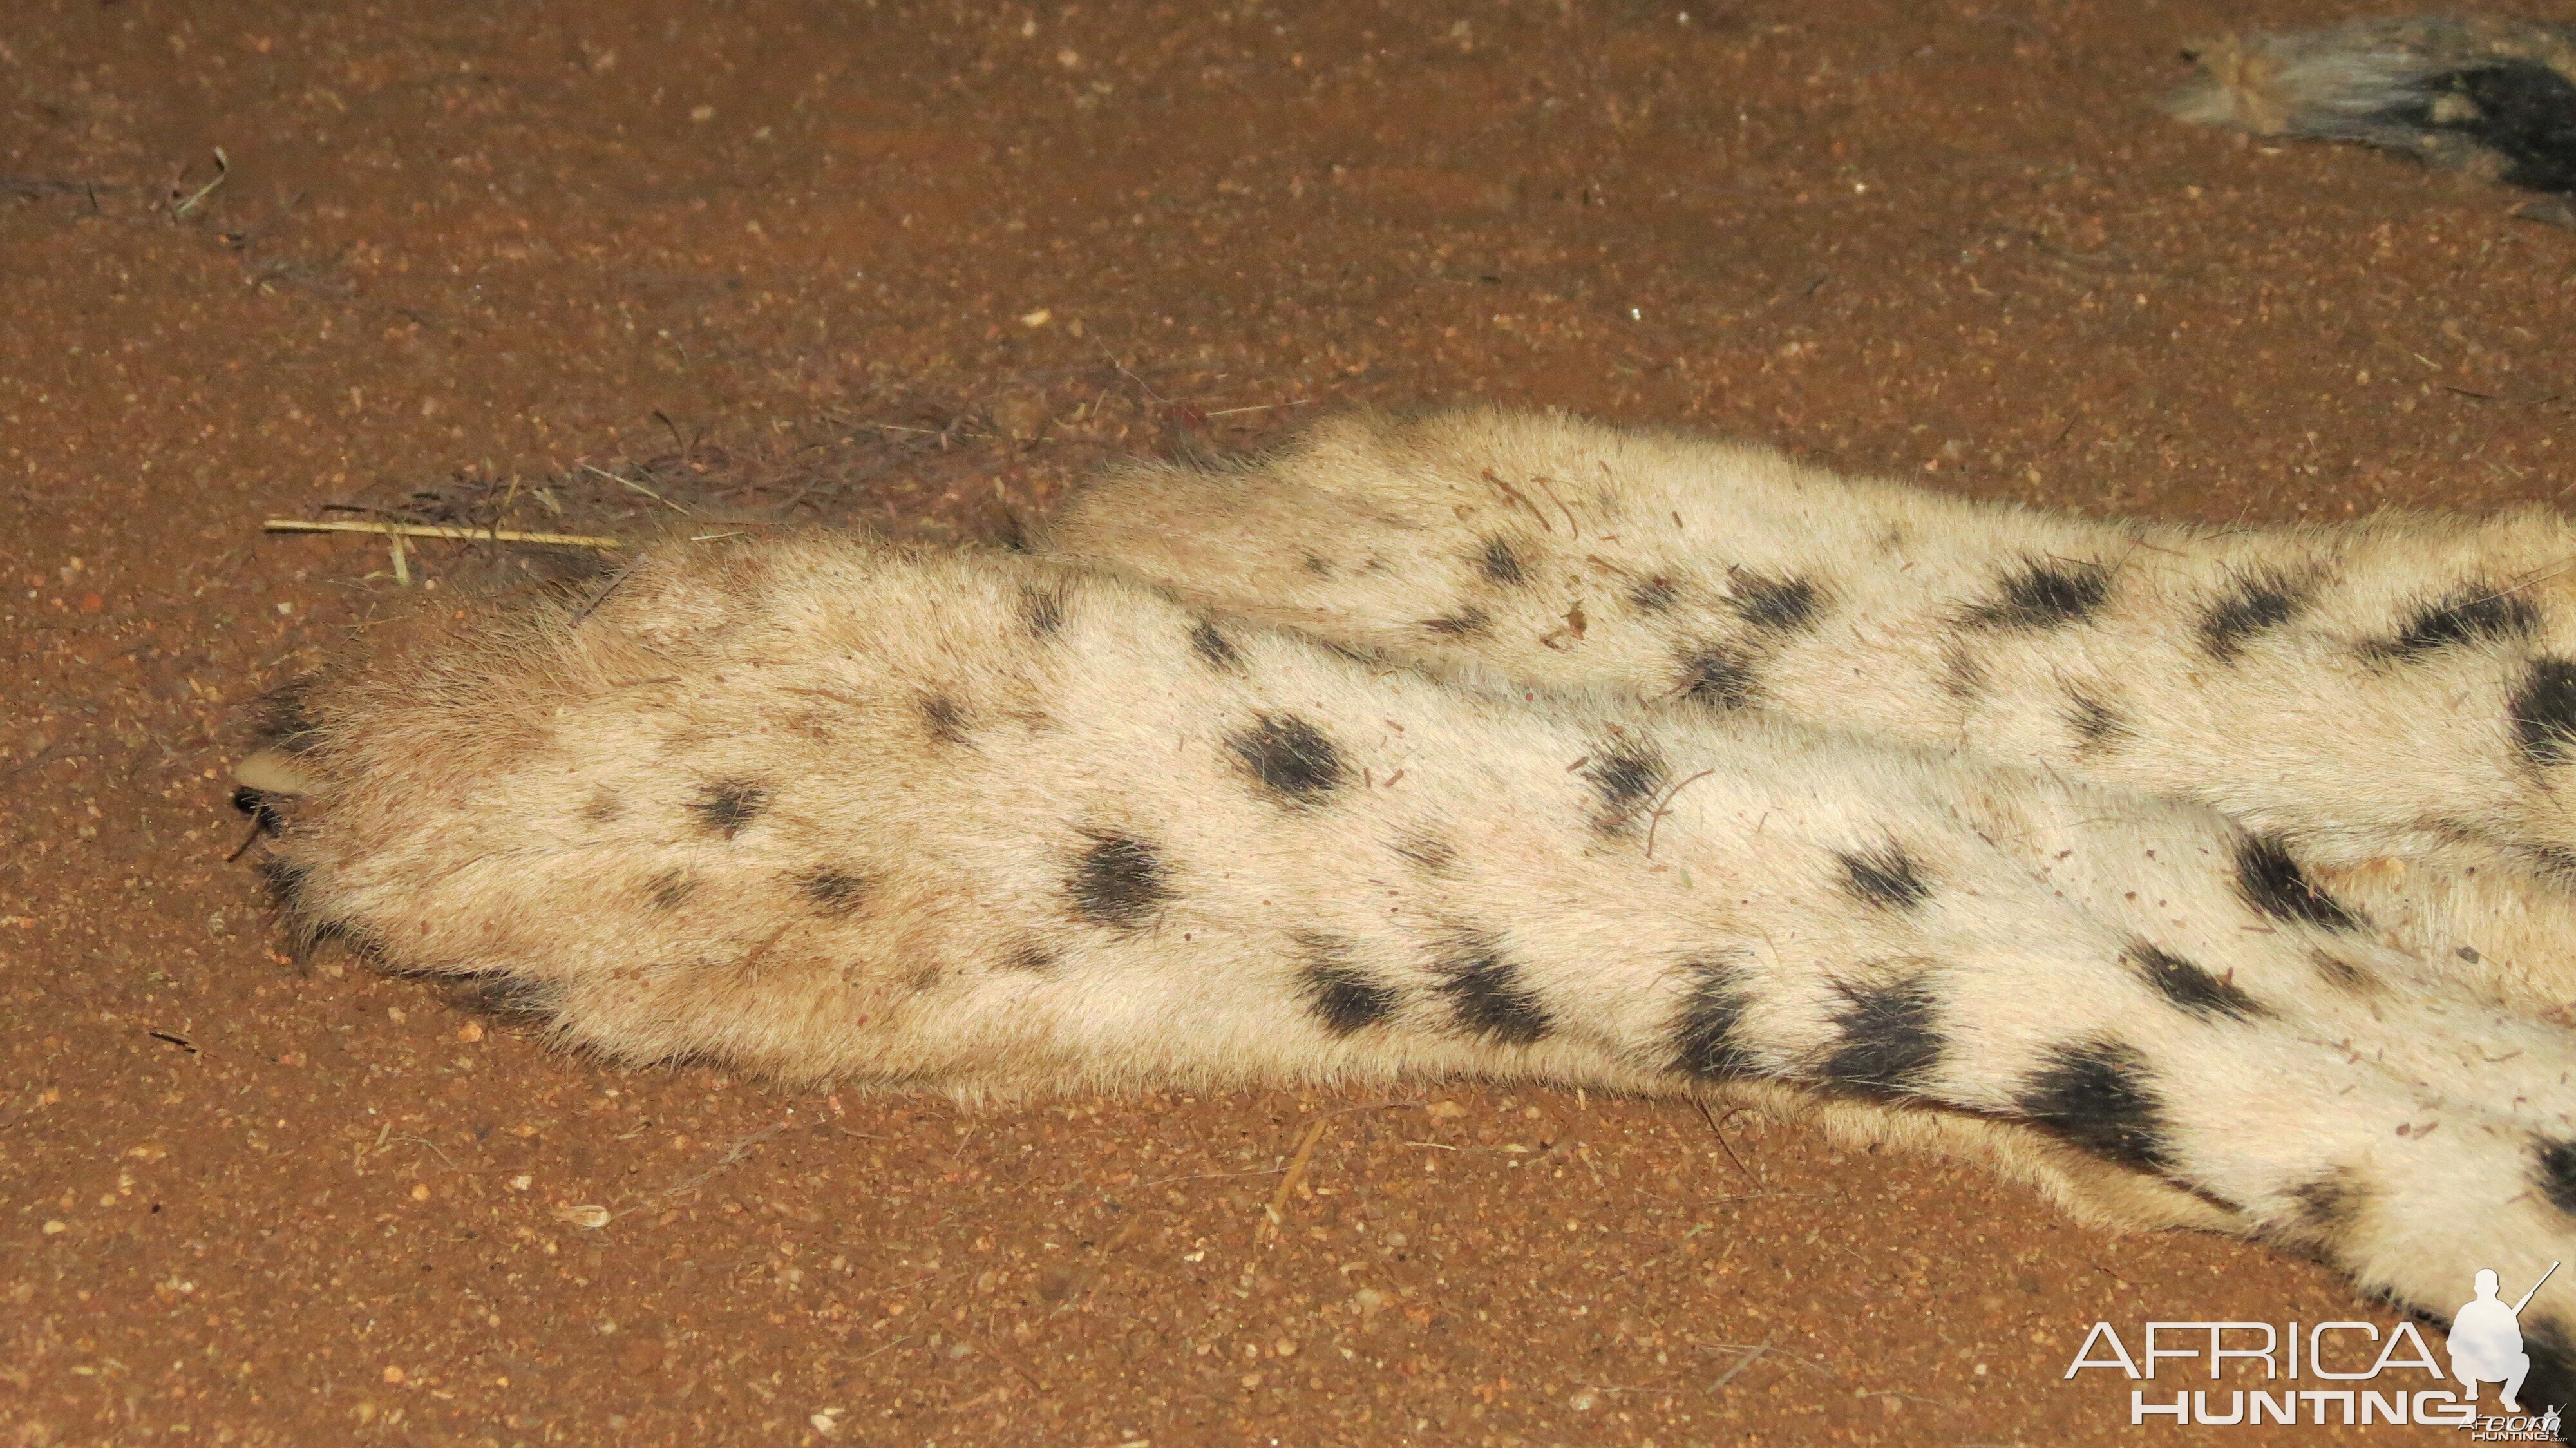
1638, 554
831, 810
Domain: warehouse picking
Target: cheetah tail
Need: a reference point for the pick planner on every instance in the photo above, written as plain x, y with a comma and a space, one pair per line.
2488, 96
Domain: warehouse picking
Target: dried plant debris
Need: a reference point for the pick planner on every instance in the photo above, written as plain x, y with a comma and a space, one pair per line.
915, 465
2493, 98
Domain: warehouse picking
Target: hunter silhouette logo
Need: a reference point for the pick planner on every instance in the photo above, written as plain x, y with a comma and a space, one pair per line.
2363, 1375
2486, 1341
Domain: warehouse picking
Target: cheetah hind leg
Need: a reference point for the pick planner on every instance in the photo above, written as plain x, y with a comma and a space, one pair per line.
828, 810
1544, 552
2091, 1191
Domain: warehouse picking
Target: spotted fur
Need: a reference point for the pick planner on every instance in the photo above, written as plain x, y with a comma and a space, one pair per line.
2401, 690
1304, 866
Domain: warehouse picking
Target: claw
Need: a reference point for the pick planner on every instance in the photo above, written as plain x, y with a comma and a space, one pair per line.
268, 772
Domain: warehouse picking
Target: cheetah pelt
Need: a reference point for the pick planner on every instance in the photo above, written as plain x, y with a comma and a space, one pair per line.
2393, 701
828, 809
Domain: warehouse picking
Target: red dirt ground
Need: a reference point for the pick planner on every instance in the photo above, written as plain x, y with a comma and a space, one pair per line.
919, 265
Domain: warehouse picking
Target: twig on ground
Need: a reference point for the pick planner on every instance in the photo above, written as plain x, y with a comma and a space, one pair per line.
1275, 1214
223, 169
438, 530
1764, 1349
1260, 407
630, 483
435, 1148
1718, 1129
1746, 1361
732, 1154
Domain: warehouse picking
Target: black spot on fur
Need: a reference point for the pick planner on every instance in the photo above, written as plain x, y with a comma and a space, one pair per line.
1042, 610
513, 1000
1486, 996
1290, 757
1033, 958
2470, 615
2254, 604
1963, 677
1654, 595
2556, 862
1708, 1041
1885, 877
285, 719
290, 885
1626, 778
2189, 986
1341, 997
1318, 566
2522, 110
2096, 724
1120, 881
1461, 624
1888, 1044
2045, 595
1430, 852
603, 807
2329, 1206
834, 892
2273, 884
2544, 711
2554, 1165
2101, 1097
255, 804
729, 805
946, 720
1211, 646
1500, 564
2342, 974
1718, 675
286, 880
1775, 605
1345, 1000
672, 888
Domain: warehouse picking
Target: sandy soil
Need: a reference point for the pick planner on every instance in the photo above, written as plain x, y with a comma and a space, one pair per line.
918, 265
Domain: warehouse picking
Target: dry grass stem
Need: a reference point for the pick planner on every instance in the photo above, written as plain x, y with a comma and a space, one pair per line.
438, 530
1275, 1214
